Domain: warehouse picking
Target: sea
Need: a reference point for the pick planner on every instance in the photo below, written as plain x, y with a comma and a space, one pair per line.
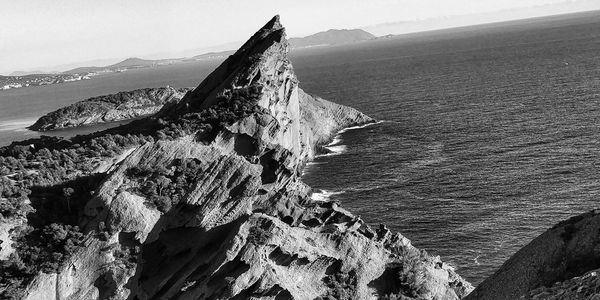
488, 135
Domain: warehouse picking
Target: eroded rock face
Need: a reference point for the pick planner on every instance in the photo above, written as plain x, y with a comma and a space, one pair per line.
243, 224
568, 250
109, 108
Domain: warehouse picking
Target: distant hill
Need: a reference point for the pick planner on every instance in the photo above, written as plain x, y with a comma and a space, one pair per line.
213, 55
331, 37
134, 62
110, 108
84, 70
129, 63
23, 73
325, 38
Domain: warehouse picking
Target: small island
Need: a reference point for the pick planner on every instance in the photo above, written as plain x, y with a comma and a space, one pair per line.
110, 108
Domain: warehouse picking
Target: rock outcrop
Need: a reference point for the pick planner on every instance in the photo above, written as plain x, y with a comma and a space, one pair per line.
552, 266
214, 206
109, 108
586, 287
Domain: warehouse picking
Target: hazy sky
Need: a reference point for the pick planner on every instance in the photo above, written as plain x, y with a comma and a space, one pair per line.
41, 33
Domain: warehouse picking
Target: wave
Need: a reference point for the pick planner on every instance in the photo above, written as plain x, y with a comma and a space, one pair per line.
359, 126
334, 150
324, 195
310, 165
335, 147
336, 140
476, 260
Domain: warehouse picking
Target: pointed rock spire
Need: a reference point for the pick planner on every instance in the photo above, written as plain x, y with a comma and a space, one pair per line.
266, 49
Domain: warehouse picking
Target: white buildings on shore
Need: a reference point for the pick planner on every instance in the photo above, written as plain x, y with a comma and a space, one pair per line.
13, 86
16, 82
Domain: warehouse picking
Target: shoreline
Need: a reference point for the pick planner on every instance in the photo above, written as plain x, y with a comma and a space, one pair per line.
325, 195
335, 141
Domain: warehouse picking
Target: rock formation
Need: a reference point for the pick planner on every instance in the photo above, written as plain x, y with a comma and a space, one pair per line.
208, 202
109, 108
552, 266
580, 287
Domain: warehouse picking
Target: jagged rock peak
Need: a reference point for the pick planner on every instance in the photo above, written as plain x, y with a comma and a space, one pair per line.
263, 56
271, 27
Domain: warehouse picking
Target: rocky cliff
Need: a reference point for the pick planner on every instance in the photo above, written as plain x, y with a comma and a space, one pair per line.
559, 264
109, 108
204, 200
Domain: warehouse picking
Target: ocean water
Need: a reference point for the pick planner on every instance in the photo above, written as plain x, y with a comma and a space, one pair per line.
20, 108
489, 135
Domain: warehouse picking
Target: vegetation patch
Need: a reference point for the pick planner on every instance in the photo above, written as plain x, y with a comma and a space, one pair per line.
37, 249
166, 187
232, 105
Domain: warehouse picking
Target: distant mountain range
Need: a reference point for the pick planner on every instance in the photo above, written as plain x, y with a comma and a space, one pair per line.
331, 37
130, 63
24, 73
325, 38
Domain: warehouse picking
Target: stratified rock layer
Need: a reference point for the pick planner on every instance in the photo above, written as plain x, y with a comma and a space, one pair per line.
109, 108
554, 259
244, 225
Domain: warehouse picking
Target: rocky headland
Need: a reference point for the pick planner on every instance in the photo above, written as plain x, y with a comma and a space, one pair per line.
109, 108
203, 200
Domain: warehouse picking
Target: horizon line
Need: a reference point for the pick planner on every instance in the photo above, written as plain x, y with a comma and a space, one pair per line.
44, 69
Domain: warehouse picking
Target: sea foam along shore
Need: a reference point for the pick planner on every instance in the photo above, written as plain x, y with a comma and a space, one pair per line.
335, 147
324, 195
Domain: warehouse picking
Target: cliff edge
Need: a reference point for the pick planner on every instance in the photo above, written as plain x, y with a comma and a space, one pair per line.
204, 200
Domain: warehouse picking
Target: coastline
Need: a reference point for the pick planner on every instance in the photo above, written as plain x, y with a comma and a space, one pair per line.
334, 147
325, 195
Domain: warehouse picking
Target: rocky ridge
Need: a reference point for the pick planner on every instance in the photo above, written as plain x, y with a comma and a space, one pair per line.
109, 108
218, 210
552, 266
580, 287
